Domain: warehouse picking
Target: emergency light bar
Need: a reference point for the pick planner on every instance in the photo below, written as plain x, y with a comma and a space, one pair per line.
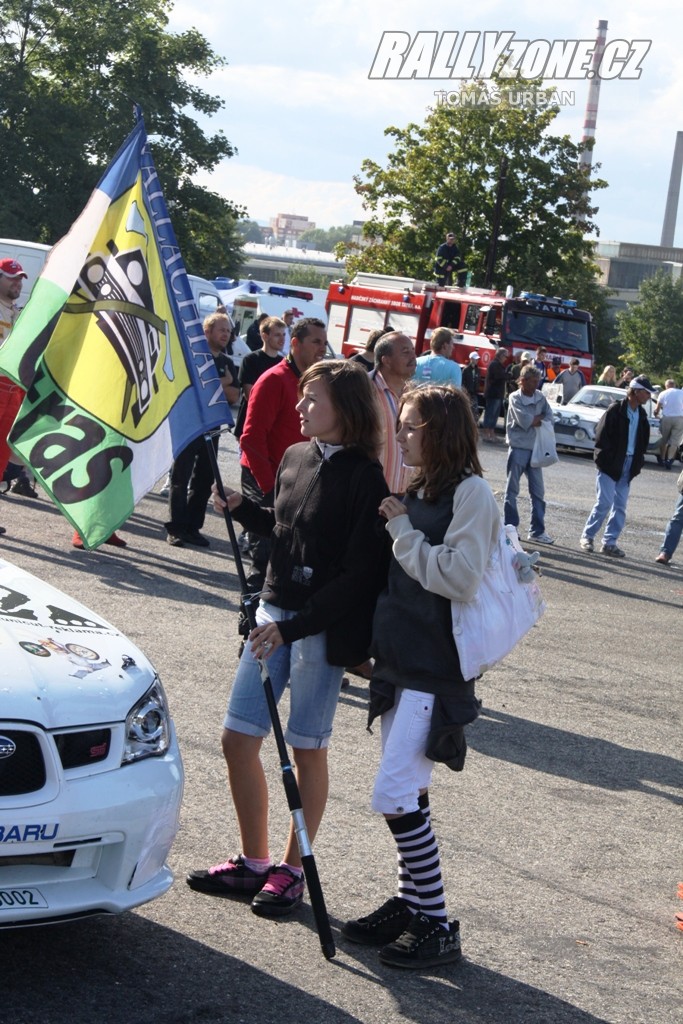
553, 300
290, 293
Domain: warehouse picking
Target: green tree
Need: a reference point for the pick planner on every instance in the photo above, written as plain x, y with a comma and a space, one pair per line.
443, 176
250, 231
325, 239
651, 331
71, 73
298, 274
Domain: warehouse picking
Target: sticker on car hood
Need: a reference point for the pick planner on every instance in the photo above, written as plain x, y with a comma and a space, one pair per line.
62, 664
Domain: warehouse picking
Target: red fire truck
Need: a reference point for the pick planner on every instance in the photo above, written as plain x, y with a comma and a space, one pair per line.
482, 320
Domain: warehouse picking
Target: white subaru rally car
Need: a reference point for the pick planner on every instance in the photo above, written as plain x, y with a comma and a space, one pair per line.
91, 777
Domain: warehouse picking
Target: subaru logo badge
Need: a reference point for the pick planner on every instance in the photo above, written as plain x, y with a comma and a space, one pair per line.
7, 747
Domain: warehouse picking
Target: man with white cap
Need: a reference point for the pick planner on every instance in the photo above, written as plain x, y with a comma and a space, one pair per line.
621, 440
515, 368
471, 378
12, 277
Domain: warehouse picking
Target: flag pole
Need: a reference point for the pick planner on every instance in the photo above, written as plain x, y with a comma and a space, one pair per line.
322, 920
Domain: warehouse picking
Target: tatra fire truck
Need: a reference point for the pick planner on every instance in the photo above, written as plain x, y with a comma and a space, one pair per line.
481, 320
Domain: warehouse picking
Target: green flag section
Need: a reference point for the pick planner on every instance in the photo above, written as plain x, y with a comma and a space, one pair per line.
84, 464
111, 353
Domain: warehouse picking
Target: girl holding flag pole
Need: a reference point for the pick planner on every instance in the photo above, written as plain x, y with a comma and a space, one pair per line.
325, 570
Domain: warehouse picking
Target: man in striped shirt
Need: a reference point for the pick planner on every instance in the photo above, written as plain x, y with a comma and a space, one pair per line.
394, 366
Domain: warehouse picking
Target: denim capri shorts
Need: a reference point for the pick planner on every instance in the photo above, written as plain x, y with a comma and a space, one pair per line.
314, 688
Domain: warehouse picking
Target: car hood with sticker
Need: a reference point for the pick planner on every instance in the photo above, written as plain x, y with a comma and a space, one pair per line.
62, 665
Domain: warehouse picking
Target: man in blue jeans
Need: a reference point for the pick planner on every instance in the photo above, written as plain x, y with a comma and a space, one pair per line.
674, 528
621, 440
527, 408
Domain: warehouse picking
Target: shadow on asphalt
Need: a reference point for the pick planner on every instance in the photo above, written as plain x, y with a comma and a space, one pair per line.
586, 759
128, 970
165, 574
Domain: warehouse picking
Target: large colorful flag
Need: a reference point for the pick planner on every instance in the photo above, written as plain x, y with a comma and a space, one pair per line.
111, 353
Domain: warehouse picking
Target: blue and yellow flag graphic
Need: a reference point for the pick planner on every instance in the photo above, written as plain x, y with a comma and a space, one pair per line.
111, 353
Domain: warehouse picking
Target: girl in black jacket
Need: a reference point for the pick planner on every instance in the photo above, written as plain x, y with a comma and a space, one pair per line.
315, 617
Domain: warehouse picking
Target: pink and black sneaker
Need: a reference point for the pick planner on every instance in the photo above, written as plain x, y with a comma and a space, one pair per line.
233, 878
282, 893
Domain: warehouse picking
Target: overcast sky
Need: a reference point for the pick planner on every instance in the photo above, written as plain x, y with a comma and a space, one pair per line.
303, 113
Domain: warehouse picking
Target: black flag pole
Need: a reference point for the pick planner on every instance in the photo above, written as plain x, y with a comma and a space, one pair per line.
315, 891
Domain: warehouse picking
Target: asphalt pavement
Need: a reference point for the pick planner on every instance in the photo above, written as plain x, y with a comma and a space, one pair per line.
561, 840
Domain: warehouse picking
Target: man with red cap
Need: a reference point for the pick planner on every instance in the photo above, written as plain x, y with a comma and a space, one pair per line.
11, 395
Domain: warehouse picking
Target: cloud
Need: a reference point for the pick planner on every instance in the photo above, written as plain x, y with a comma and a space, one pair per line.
265, 193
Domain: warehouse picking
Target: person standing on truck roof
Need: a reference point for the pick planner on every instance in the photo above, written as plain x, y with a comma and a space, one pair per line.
394, 366
437, 366
449, 261
494, 393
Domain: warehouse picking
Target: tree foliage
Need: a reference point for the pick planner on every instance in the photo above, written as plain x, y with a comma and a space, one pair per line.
443, 176
250, 231
71, 73
651, 332
303, 275
325, 239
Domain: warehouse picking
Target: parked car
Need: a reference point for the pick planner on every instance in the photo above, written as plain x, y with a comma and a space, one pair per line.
576, 422
91, 776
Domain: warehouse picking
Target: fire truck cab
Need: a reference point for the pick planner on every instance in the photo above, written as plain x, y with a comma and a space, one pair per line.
482, 320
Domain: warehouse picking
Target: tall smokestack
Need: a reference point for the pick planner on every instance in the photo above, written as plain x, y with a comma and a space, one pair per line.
586, 158
669, 226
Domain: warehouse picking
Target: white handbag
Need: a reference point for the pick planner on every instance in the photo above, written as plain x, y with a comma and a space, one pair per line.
544, 451
504, 609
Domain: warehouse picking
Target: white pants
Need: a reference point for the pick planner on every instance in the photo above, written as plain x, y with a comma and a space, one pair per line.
404, 769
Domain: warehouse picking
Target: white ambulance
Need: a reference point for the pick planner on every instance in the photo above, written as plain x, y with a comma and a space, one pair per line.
273, 301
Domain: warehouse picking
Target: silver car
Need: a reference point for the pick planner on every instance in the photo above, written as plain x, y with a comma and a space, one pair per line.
576, 422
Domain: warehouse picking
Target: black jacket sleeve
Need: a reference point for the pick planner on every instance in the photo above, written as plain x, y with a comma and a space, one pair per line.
345, 604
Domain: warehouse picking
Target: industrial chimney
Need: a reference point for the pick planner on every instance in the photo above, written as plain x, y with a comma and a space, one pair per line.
669, 226
586, 158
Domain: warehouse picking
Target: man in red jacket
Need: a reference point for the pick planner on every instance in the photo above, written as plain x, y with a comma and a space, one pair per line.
272, 422
271, 426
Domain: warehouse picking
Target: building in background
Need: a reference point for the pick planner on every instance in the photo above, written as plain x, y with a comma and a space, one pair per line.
287, 228
625, 265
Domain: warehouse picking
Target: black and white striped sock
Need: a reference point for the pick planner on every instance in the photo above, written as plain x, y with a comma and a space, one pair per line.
419, 880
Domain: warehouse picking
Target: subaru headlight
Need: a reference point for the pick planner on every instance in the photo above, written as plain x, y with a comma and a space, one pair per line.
148, 726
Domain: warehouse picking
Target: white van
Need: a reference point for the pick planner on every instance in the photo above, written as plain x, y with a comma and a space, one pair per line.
31, 256
206, 296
